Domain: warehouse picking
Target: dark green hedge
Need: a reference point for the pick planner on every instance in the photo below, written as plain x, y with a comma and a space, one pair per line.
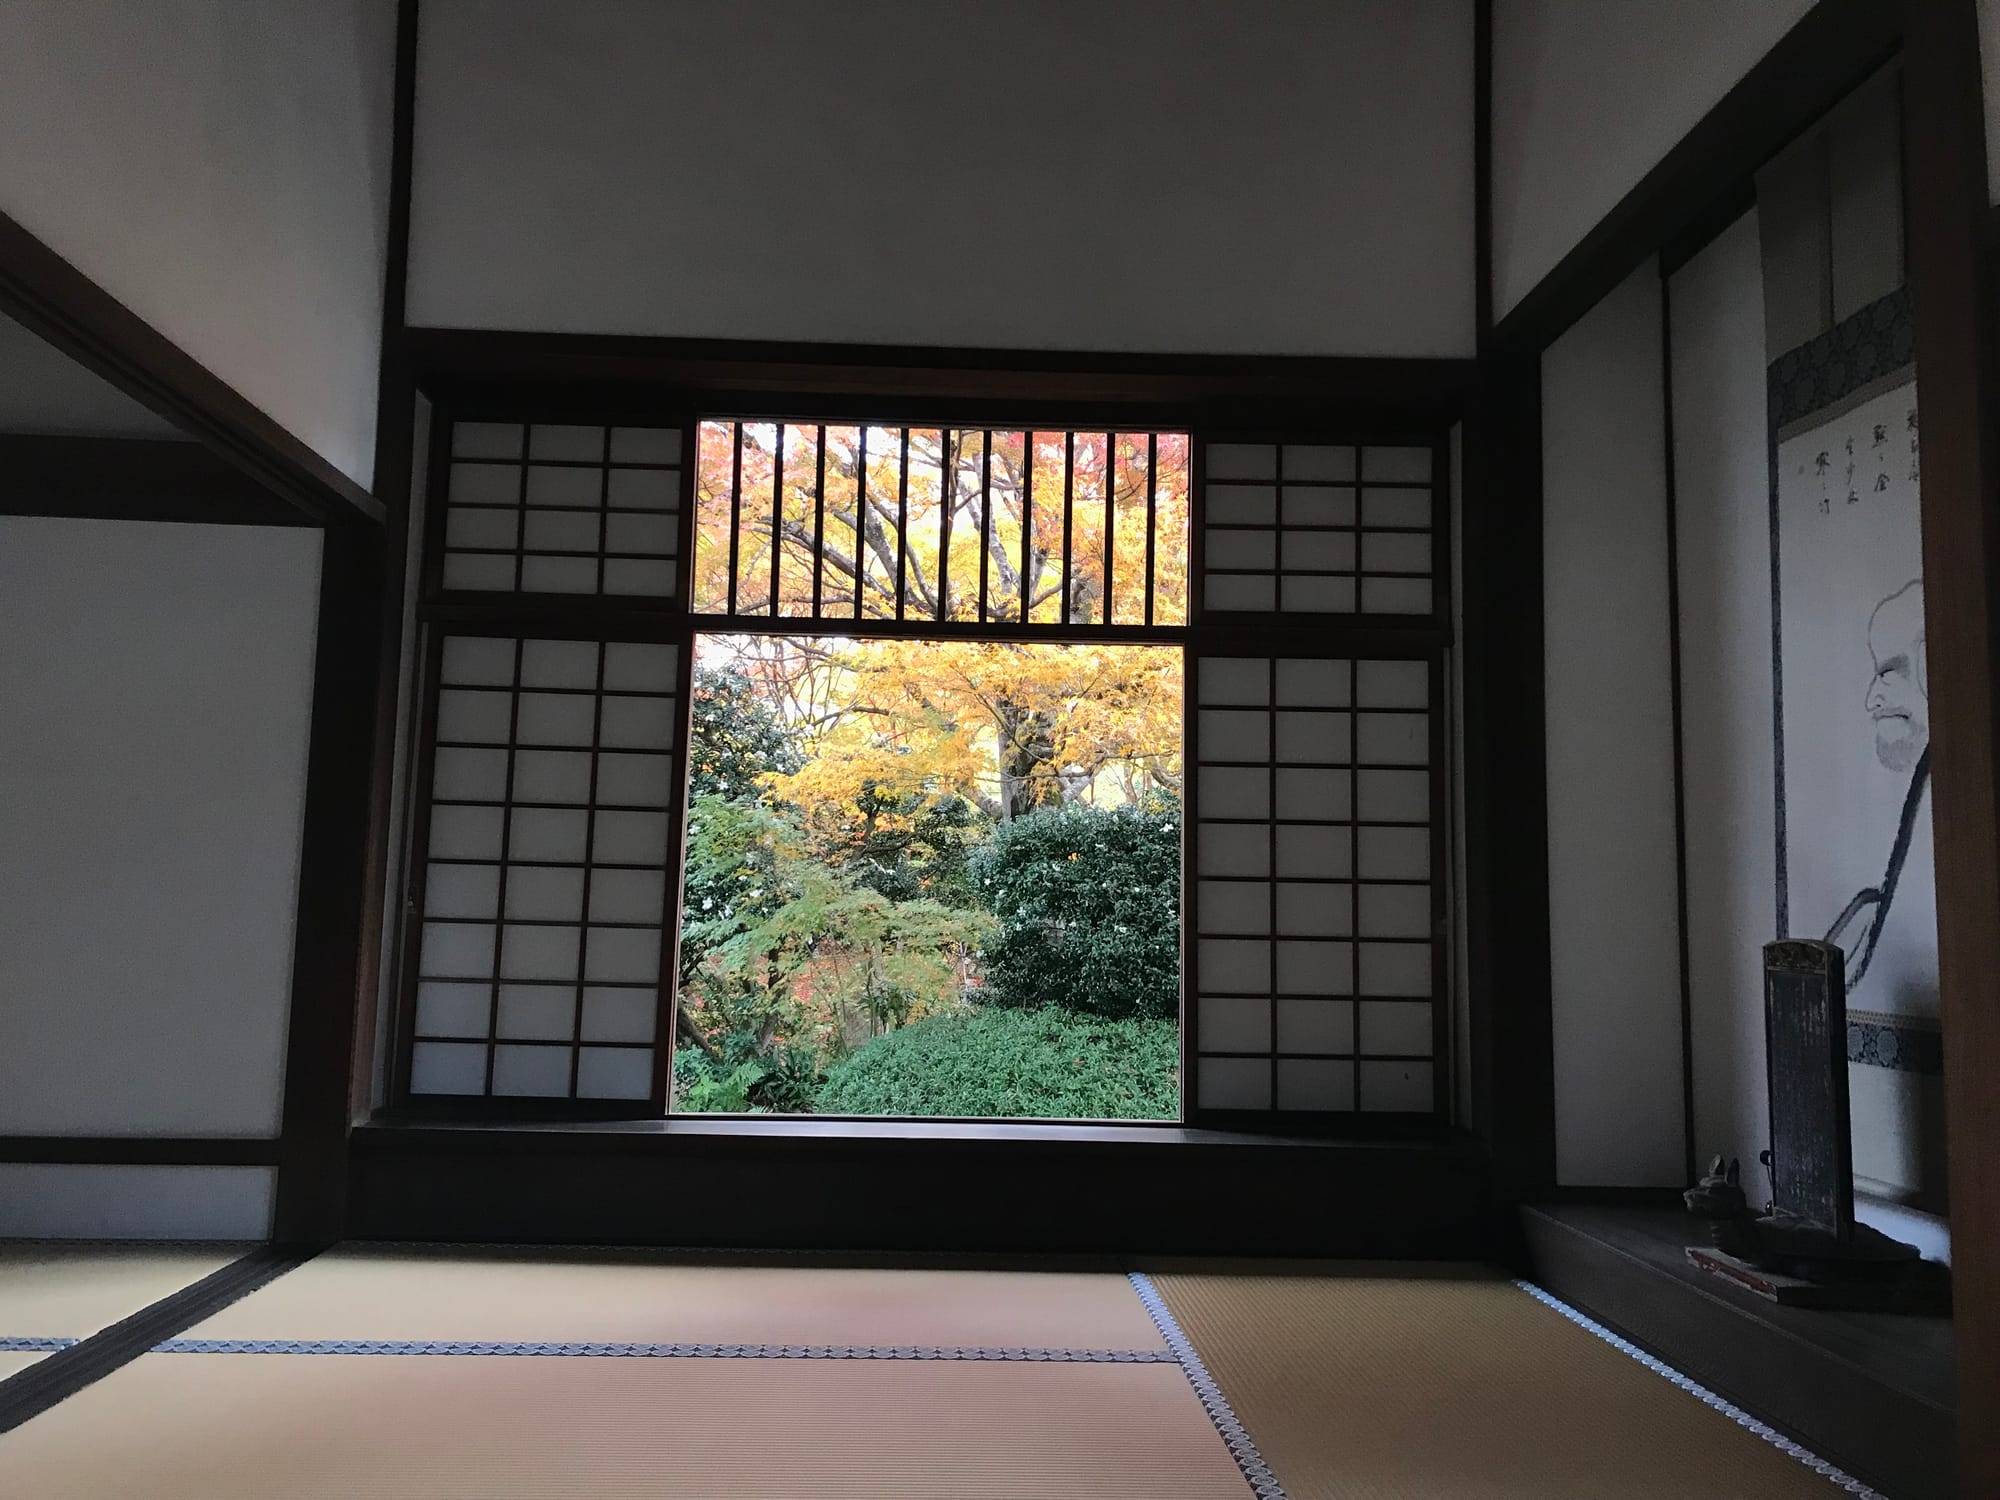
1046, 1064
1089, 906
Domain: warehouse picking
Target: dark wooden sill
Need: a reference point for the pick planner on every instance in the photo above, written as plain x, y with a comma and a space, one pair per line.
911, 1185
393, 1132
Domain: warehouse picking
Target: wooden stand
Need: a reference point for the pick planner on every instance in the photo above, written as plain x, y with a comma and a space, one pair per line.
1910, 1287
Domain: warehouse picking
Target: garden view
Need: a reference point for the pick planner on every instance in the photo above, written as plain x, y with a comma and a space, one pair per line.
934, 876
931, 878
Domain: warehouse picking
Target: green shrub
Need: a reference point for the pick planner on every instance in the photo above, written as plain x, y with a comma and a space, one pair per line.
1089, 906
741, 1078
1046, 1064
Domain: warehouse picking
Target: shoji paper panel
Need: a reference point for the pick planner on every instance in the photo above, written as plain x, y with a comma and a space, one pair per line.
1296, 528
547, 867
1315, 900
563, 510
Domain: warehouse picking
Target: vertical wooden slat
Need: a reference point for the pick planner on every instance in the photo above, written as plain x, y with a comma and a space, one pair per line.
819, 521
777, 510
903, 524
1197, 562
1152, 515
860, 514
1069, 518
947, 490
985, 517
735, 507
1110, 523
1027, 519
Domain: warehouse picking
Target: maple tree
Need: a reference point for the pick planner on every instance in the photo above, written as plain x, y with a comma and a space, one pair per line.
941, 524
889, 728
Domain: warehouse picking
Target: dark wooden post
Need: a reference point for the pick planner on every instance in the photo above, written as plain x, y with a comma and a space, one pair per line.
344, 859
327, 963
1505, 771
1950, 279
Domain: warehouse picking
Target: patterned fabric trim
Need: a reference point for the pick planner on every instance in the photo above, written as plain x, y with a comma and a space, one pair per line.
1865, 346
33, 1345
1263, 1483
1905, 1045
1701, 1393
662, 1351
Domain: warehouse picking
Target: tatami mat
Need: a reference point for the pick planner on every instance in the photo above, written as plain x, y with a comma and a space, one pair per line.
13, 1363
50, 1290
333, 1427
370, 1293
1381, 1388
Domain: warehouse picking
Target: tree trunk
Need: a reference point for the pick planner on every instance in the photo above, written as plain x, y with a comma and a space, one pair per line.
1026, 756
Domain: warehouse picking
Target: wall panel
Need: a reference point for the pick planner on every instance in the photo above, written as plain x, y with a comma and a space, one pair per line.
1588, 96
223, 170
157, 688
40, 1200
1722, 498
1218, 176
1615, 966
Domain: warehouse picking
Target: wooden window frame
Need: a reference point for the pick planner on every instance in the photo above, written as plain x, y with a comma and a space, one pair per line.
606, 618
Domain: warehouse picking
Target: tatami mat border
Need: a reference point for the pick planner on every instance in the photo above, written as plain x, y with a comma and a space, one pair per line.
68, 1370
34, 1345
1820, 1466
600, 1350
1263, 1483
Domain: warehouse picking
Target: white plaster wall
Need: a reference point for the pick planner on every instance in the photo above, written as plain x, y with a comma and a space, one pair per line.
1613, 933
1588, 95
1208, 176
222, 168
1722, 501
45, 392
155, 695
42, 1200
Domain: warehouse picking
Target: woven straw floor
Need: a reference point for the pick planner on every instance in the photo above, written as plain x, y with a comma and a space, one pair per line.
54, 1290
362, 1293
1380, 1388
13, 1362
1354, 1383
331, 1427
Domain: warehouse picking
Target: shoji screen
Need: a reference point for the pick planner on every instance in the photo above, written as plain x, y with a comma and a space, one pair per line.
1316, 529
1314, 904
544, 886
547, 868
562, 510
1315, 907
